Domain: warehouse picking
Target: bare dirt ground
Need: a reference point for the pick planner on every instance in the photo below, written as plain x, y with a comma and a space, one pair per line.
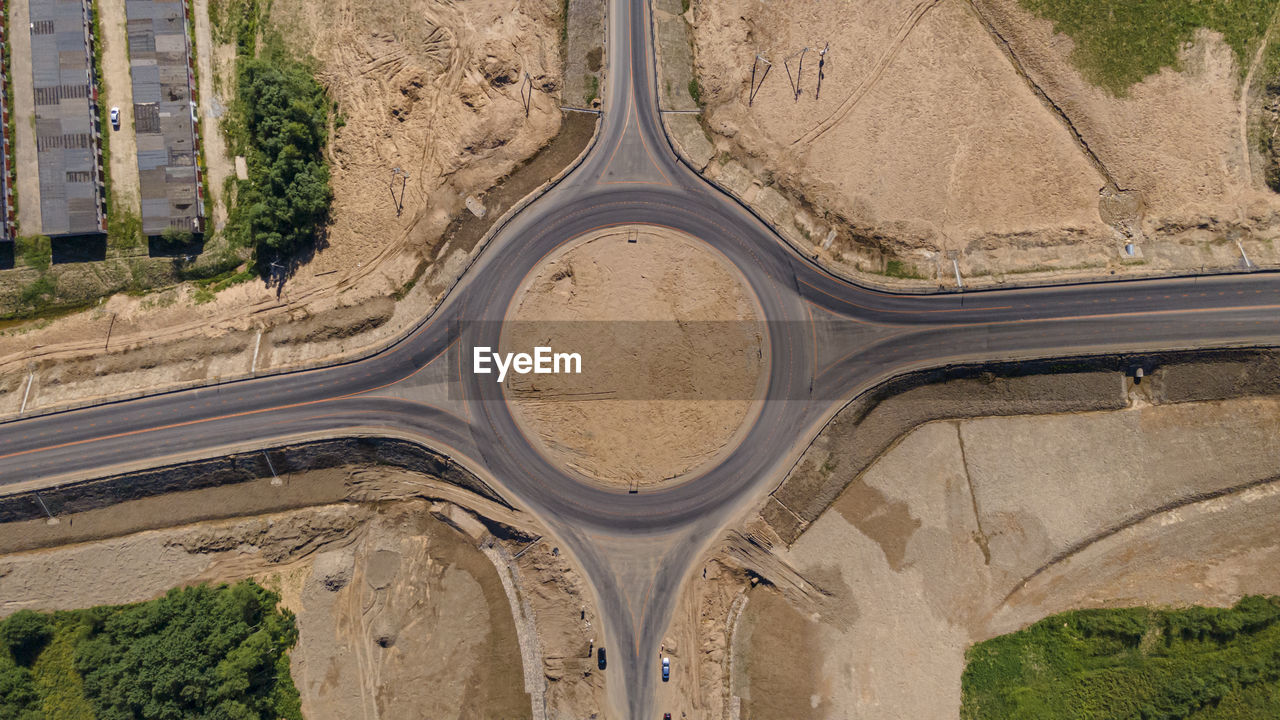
672, 349
933, 140
24, 118
214, 71
406, 606
116, 90
428, 87
966, 529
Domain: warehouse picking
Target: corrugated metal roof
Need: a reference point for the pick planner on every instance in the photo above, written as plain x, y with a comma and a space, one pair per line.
67, 146
159, 63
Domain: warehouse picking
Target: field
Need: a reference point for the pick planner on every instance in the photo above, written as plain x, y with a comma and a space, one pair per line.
1011, 140
1119, 44
1195, 663
966, 529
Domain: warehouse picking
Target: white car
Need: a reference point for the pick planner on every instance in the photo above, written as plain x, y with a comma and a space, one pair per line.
115, 118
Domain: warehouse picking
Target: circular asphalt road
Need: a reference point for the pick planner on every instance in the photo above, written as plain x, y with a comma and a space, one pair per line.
829, 341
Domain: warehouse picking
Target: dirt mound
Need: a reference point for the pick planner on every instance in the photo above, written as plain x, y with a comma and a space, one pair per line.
672, 355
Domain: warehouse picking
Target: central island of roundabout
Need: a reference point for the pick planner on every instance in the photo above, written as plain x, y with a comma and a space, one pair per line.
670, 356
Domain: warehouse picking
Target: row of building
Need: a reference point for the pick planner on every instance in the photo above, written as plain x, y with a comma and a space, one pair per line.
68, 125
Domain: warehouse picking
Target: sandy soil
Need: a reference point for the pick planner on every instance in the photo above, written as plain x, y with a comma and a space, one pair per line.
24, 119
214, 65
672, 355
971, 528
406, 607
933, 141
433, 89
430, 88
116, 90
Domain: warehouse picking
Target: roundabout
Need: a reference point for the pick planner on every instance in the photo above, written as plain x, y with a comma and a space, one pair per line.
821, 342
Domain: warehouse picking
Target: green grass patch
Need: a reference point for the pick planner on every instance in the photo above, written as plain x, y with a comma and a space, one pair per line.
899, 269
564, 28
10, 128
197, 652
593, 89
1120, 42
695, 91
1190, 664
104, 112
124, 228
36, 251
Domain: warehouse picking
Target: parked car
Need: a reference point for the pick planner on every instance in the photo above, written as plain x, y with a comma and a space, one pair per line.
600, 658
666, 716
115, 118
666, 669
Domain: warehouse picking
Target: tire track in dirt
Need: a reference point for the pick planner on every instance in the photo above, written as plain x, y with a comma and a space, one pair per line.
899, 38
1246, 155
1053, 107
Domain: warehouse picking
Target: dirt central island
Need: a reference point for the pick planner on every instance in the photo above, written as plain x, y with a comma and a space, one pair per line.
673, 355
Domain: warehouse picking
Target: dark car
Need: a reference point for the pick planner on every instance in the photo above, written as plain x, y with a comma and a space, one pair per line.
666, 716
600, 658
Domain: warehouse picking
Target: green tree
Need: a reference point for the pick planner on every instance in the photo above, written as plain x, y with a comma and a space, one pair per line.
25, 633
198, 652
284, 204
18, 698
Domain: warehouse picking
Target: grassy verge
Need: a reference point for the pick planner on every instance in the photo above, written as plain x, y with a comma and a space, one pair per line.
1190, 664
1120, 42
10, 128
901, 270
593, 89
196, 652
104, 115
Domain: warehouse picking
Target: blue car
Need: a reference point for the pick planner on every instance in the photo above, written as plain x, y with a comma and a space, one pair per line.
666, 669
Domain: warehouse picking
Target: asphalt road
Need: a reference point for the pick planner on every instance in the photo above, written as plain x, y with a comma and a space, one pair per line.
828, 341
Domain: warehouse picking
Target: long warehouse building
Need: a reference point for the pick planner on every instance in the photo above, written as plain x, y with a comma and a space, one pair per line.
164, 117
68, 132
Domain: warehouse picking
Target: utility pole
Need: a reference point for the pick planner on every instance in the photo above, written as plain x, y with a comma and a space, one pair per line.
526, 93
277, 266
396, 172
822, 61
110, 327
275, 479
52, 520
755, 88
786, 63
